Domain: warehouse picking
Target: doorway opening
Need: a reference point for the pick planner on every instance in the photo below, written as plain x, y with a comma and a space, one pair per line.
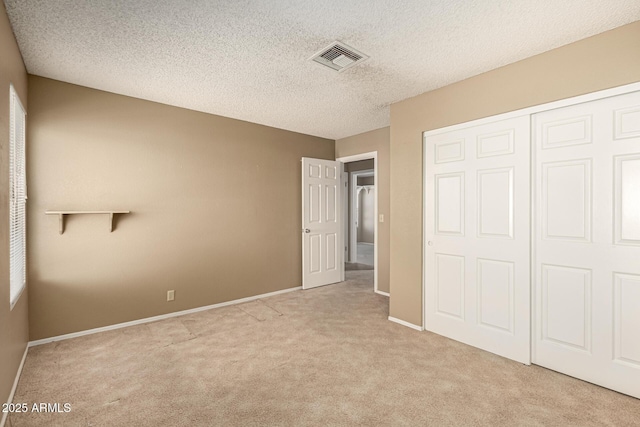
360, 215
361, 241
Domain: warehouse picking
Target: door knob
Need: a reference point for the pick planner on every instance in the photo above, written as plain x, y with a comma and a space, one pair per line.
306, 230
430, 243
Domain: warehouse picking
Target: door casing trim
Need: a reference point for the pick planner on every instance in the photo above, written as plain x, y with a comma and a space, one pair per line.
367, 156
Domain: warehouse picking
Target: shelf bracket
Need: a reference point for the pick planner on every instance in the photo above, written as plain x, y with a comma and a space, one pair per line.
61, 215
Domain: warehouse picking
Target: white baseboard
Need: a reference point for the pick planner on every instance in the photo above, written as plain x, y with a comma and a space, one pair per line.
386, 294
156, 318
15, 385
407, 324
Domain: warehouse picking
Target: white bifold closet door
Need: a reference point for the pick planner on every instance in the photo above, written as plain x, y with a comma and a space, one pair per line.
477, 266
587, 259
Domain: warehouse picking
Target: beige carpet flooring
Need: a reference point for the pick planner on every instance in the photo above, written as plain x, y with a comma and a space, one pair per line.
350, 266
327, 356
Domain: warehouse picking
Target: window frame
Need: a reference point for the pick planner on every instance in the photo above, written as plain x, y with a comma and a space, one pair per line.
17, 193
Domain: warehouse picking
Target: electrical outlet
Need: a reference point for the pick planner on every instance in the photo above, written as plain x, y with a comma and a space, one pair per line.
171, 295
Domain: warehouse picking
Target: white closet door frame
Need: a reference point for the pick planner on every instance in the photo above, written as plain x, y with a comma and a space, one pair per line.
620, 90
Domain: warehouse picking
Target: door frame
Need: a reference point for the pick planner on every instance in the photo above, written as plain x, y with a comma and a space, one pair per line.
367, 156
593, 96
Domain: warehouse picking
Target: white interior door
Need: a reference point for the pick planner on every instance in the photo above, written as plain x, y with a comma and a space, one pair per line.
587, 260
477, 267
322, 239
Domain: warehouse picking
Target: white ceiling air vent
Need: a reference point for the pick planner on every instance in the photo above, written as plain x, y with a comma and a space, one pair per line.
339, 56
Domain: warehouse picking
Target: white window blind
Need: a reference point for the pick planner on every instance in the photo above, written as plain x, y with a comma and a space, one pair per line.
17, 198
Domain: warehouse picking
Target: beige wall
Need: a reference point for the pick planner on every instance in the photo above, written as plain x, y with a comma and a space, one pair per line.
14, 330
600, 62
360, 165
215, 207
366, 180
376, 140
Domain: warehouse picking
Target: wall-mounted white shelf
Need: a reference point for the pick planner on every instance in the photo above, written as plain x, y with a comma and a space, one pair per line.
61, 215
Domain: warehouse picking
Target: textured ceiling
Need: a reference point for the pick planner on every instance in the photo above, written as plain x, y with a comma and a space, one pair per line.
247, 59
